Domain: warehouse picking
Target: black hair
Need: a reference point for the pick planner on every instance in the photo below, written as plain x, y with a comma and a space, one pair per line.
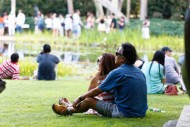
159, 56
47, 48
14, 57
129, 52
102, 21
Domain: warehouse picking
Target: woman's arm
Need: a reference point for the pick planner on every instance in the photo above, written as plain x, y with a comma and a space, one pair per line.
94, 81
163, 80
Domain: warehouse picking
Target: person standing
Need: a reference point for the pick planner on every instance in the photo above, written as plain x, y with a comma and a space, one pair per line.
68, 25
113, 22
56, 25
20, 19
77, 23
11, 24
129, 89
145, 28
47, 63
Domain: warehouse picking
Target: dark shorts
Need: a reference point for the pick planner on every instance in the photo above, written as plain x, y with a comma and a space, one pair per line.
108, 109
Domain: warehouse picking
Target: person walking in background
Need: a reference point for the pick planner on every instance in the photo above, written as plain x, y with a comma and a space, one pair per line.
40, 22
121, 23
101, 24
11, 24
62, 27
48, 22
20, 20
56, 25
113, 22
90, 20
5, 18
47, 63
154, 73
172, 71
145, 28
68, 26
77, 23
10, 69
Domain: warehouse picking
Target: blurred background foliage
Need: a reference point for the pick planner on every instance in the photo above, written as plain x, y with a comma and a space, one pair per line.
166, 9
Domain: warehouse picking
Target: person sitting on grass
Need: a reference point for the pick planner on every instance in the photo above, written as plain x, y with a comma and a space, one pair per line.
172, 71
47, 63
10, 69
154, 72
106, 63
128, 84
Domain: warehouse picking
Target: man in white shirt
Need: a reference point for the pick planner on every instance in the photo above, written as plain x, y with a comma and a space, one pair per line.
77, 24
20, 19
11, 24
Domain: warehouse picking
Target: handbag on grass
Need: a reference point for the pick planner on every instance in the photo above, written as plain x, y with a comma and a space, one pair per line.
171, 90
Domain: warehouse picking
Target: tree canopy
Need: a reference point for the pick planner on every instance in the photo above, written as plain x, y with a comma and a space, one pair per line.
156, 8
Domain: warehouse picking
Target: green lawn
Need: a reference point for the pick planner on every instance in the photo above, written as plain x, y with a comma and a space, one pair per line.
28, 103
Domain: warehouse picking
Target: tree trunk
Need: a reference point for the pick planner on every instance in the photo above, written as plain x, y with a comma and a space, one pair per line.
70, 6
143, 10
113, 9
13, 7
99, 8
120, 4
115, 3
128, 9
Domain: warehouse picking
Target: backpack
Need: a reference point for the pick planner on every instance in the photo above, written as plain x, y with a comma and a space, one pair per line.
171, 90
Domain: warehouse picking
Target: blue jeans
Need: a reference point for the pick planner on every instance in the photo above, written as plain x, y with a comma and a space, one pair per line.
19, 28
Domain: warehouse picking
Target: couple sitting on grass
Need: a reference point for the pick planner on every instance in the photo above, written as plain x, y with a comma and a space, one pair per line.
123, 89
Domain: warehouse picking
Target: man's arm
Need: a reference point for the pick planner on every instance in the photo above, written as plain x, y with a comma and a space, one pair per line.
176, 66
92, 93
56, 59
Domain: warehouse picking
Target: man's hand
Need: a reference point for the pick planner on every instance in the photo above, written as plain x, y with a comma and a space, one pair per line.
77, 102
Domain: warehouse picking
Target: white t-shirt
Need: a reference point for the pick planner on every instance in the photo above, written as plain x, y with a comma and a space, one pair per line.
20, 19
48, 22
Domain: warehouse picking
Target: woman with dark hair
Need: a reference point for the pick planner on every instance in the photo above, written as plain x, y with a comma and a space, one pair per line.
154, 72
106, 63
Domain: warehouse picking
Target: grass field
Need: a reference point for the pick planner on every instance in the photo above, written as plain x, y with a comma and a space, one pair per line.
28, 104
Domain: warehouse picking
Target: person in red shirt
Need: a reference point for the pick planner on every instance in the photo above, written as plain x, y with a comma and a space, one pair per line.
10, 69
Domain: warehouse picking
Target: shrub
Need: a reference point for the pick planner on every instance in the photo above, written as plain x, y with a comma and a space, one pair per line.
27, 68
157, 15
176, 17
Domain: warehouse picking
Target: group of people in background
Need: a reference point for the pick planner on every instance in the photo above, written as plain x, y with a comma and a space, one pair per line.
9, 23
71, 24
60, 25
